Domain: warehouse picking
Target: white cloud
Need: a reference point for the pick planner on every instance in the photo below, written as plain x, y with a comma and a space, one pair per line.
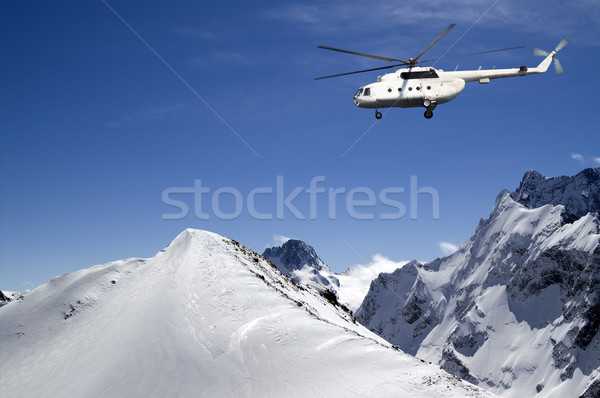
280, 239
532, 17
334, 18
448, 248
356, 280
28, 286
582, 160
387, 28
577, 156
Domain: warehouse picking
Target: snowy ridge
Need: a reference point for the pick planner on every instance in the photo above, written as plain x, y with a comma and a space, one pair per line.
516, 309
206, 317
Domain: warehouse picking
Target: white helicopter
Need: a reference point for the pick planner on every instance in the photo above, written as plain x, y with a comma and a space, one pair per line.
428, 87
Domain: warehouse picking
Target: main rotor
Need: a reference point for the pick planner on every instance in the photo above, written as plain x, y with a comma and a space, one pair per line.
411, 62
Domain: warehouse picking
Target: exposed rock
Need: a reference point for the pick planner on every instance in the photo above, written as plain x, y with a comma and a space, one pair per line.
579, 194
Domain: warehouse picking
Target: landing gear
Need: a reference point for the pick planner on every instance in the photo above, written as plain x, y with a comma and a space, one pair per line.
378, 115
430, 105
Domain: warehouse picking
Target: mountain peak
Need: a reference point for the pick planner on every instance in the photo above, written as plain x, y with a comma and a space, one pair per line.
294, 255
299, 261
579, 194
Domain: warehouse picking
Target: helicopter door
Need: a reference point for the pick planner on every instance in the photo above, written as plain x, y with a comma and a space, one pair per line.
420, 93
415, 93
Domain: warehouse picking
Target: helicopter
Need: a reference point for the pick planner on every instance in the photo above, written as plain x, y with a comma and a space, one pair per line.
428, 87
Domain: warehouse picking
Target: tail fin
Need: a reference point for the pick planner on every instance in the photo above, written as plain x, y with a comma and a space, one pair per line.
545, 64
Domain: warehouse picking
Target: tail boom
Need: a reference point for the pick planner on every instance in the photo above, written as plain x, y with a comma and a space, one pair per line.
485, 75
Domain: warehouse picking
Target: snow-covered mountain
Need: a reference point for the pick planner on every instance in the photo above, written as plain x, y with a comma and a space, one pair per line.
300, 262
206, 317
516, 309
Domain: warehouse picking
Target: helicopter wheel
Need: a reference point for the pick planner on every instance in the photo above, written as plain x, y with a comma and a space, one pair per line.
428, 114
378, 115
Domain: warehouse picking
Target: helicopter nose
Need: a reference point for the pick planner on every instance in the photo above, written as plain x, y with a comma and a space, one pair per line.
356, 98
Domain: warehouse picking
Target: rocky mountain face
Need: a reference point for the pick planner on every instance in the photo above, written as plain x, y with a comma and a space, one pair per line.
517, 308
205, 317
299, 261
579, 194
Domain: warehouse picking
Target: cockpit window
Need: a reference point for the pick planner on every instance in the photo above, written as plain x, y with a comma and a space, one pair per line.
367, 91
422, 74
359, 92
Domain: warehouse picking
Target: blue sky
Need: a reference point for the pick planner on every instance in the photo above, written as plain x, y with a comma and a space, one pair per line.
95, 126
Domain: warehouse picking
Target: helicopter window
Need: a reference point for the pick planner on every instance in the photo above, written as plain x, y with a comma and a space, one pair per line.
425, 74
410, 89
389, 90
418, 88
399, 88
367, 91
359, 92
428, 87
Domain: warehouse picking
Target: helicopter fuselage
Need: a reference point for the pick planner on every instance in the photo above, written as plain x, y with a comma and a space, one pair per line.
429, 87
407, 88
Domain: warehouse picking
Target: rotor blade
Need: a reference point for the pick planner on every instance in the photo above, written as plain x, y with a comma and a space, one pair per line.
358, 71
540, 53
558, 67
361, 54
436, 40
561, 45
468, 55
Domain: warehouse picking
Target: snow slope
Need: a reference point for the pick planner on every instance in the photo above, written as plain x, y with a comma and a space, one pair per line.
205, 317
516, 309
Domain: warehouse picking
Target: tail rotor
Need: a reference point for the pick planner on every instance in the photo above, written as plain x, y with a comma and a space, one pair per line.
561, 45
542, 53
558, 67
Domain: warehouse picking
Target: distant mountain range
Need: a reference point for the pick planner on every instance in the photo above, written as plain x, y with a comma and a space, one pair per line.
516, 310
